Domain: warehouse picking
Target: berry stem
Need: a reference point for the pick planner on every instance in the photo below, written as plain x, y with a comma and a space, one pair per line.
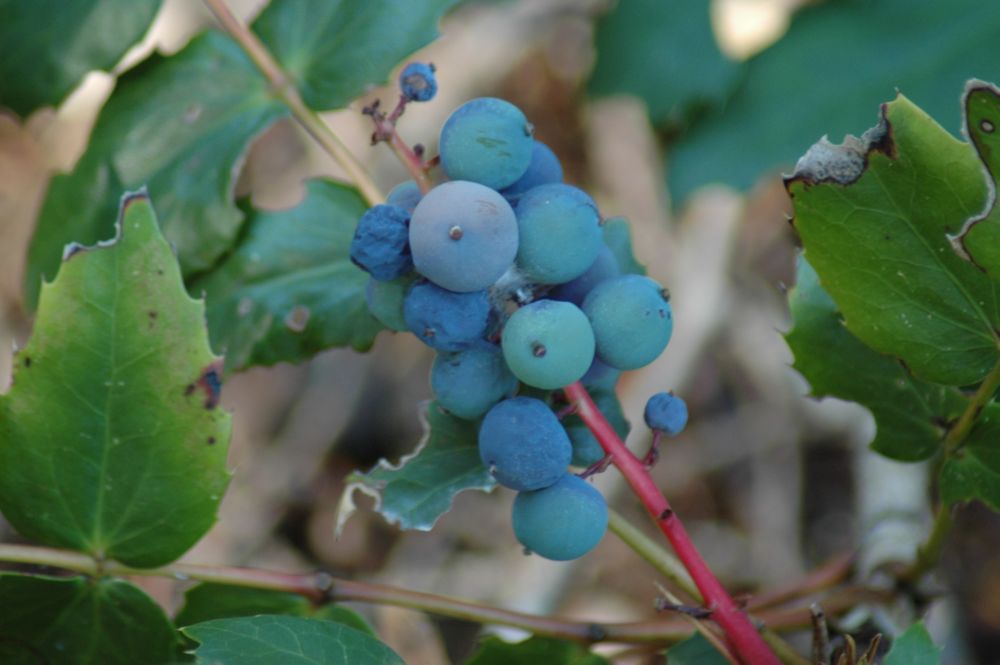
284, 89
385, 131
743, 637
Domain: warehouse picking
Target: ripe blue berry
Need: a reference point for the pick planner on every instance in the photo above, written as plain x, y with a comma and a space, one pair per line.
543, 169
468, 383
381, 242
523, 445
666, 413
406, 195
417, 82
560, 233
463, 236
445, 320
486, 140
631, 318
563, 521
548, 343
605, 266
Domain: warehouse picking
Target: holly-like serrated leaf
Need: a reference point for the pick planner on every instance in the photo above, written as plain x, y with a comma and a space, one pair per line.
973, 472
532, 651
79, 621
335, 49
911, 415
665, 54
791, 94
270, 639
47, 46
618, 238
695, 650
981, 236
111, 439
914, 647
208, 601
179, 125
875, 216
419, 489
289, 290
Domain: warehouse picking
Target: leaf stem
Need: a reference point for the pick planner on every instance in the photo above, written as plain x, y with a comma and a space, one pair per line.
959, 433
744, 638
284, 88
662, 560
929, 553
324, 588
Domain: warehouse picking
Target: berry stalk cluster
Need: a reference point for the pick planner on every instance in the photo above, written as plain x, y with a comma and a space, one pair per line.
503, 269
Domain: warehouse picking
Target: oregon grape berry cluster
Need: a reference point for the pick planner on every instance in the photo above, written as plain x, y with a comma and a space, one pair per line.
504, 270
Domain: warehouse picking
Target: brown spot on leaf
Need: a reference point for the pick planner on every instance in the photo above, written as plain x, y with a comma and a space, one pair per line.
210, 382
211, 440
27, 361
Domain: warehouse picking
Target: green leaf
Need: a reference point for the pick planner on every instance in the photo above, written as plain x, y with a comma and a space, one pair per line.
288, 290
532, 651
617, 236
911, 415
270, 639
695, 650
792, 93
335, 49
417, 491
973, 472
208, 601
874, 216
111, 439
79, 621
981, 237
665, 54
179, 125
49, 45
914, 647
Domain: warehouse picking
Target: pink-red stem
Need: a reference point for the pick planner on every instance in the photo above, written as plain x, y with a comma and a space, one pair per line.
744, 639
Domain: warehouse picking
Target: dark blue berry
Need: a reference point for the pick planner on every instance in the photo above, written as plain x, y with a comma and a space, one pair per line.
417, 82
445, 320
666, 413
523, 445
381, 243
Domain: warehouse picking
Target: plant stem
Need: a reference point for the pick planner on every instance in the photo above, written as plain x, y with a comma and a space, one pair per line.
929, 553
284, 89
956, 435
744, 638
662, 560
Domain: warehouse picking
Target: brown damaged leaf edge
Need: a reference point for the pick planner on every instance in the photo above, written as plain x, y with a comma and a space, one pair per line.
844, 163
975, 87
128, 199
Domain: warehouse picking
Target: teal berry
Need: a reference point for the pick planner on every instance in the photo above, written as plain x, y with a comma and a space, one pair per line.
548, 344
467, 383
561, 522
560, 233
488, 141
631, 319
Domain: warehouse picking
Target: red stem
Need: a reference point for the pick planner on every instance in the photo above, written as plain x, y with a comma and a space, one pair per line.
744, 638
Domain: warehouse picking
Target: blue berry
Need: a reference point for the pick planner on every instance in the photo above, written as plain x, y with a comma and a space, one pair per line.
631, 318
445, 320
406, 195
468, 383
486, 140
548, 343
666, 413
560, 233
543, 169
586, 449
523, 445
385, 300
561, 522
605, 266
417, 82
463, 236
601, 376
381, 242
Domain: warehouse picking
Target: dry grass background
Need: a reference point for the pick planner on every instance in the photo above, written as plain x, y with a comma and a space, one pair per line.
770, 483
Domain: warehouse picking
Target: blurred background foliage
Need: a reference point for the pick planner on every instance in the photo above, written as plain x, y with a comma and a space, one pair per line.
680, 116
